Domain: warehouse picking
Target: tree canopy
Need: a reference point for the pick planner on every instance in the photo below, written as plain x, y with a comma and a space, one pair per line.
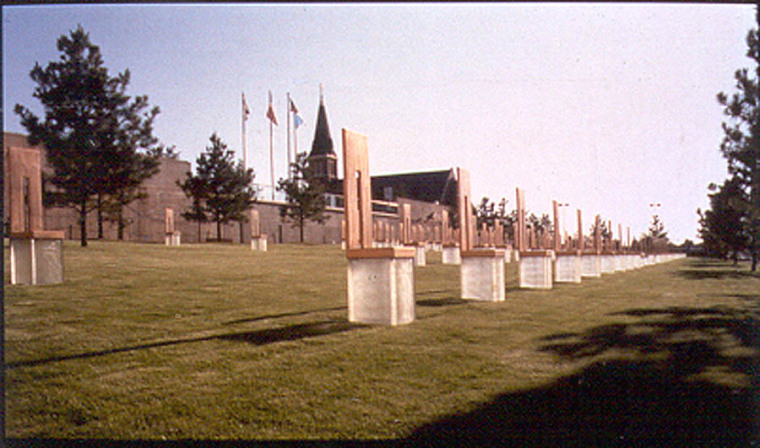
741, 144
99, 140
304, 194
722, 227
221, 190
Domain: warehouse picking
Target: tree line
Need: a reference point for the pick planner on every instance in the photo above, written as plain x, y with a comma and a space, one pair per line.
731, 224
489, 213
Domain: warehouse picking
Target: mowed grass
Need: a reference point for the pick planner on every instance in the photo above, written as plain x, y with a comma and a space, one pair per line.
221, 342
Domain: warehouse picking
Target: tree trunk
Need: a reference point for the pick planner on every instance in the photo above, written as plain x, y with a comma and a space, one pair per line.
301, 224
122, 225
100, 217
199, 231
83, 224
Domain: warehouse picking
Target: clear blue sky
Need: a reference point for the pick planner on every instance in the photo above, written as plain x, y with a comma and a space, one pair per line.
607, 107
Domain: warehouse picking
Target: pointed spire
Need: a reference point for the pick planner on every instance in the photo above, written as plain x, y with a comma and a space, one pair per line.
323, 143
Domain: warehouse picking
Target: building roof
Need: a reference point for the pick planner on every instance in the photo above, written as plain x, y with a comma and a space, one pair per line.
322, 144
432, 186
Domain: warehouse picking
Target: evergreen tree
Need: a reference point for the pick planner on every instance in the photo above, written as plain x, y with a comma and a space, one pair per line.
194, 188
603, 230
741, 144
507, 220
305, 195
221, 190
723, 227
656, 238
98, 140
127, 191
485, 213
657, 228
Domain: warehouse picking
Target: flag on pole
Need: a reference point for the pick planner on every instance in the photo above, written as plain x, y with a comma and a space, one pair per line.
270, 111
297, 121
246, 110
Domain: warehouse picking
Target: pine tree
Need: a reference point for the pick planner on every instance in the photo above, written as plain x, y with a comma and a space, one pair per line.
657, 228
194, 188
221, 190
99, 142
127, 190
305, 195
485, 213
741, 144
656, 237
723, 227
604, 232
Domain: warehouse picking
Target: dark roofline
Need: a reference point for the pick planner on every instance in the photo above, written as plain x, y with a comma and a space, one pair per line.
417, 173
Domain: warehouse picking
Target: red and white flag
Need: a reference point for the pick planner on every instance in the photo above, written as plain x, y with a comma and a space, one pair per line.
246, 110
270, 111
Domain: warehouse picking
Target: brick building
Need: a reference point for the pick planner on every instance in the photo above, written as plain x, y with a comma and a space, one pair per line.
427, 193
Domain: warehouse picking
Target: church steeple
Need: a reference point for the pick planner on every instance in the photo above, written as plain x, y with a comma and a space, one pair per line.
322, 159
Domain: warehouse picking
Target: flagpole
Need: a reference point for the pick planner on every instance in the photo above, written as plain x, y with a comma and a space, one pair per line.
287, 106
271, 149
245, 151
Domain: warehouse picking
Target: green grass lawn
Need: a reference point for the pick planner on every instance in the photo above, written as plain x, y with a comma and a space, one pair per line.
220, 342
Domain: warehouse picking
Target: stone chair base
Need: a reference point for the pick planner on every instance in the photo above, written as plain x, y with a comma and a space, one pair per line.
535, 269
592, 265
450, 255
607, 261
259, 243
568, 267
36, 258
419, 255
381, 286
173, 239
482, 275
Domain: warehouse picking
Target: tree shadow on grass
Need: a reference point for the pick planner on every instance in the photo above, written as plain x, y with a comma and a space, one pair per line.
706, 262
687, 376
719, 274
714, 269
258, 337
748, 297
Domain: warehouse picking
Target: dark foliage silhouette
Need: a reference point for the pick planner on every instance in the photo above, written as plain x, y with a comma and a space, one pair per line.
651, 388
